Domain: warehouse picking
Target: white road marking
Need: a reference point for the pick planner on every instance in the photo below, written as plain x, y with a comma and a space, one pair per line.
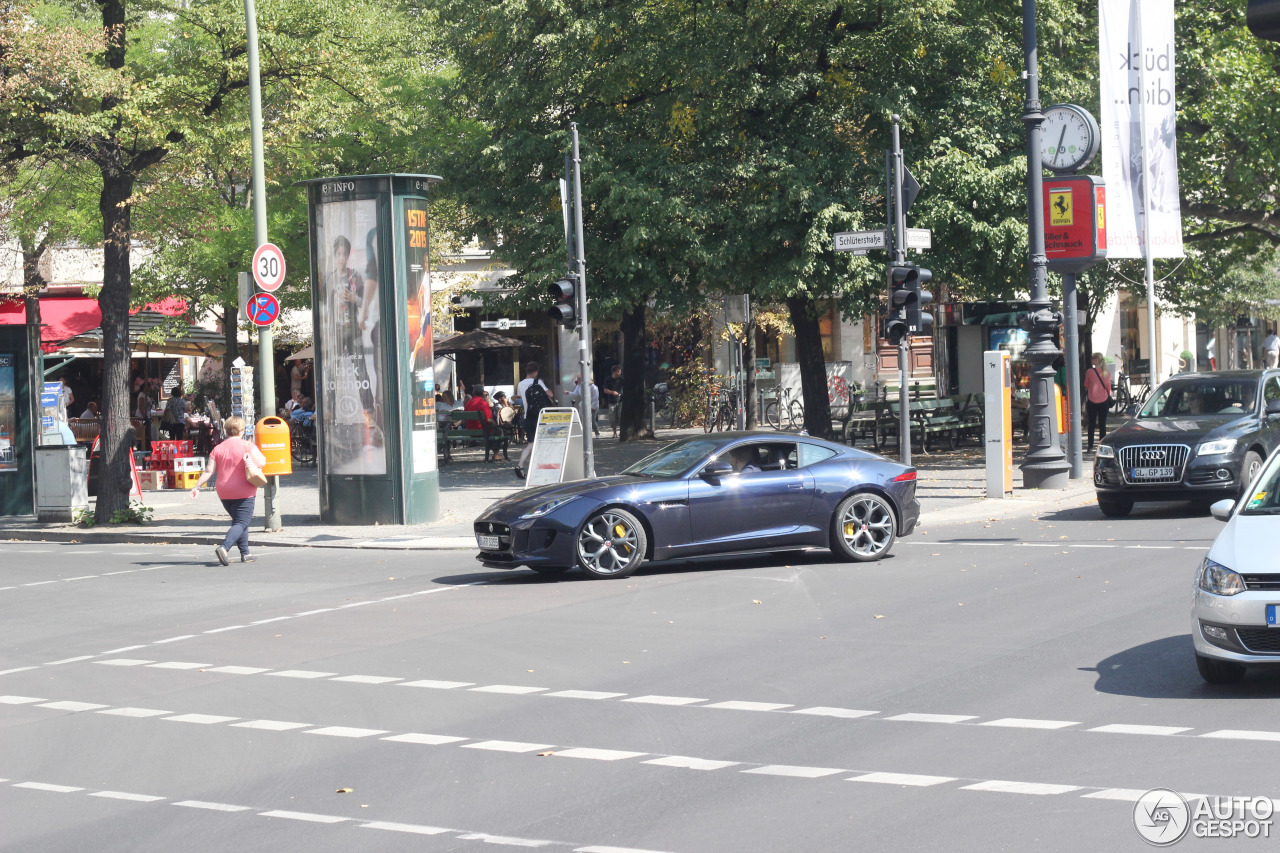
1019, 723
68, 660
123, 650
736, 705
405, 827
508, 840
429, 740
273, 619
81, 578
598, 754
366, 679
438, 685
664, 700
271, 725
228, 628
1131, 795
19, 700
39, 583
179, 664
1238, 734
217, 807
584, 694
1003, 787
172, 639
135, 712
199, 719
72, 706
302, 673
507, 746
16, 669
314, 818
690, 763
124, 661
239, 670
599, 849
791, 770
1083, 545
121, 795
45, 786
916, 780
1125, 729
121, 572
345, 731
843, 713
514, 689
1151, 547
932, 718
314, 612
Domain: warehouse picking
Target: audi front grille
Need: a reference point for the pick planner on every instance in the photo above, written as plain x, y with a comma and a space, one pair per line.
1154, 456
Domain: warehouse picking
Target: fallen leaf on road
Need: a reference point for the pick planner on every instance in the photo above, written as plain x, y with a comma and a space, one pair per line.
879, 616
546, 753
756, 601
528, 670
344, 790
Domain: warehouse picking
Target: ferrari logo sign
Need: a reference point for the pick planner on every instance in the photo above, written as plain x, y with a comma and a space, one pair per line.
1061, 211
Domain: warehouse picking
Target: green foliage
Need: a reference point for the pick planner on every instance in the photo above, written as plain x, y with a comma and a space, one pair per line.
135, 513
83, 517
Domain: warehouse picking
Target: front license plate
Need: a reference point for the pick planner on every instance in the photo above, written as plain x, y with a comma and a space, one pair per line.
1271, 615
488, 543
1152, 474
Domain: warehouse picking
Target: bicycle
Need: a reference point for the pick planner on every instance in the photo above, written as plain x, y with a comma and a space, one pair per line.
722, 410
784, 409
1127, 402
302, 443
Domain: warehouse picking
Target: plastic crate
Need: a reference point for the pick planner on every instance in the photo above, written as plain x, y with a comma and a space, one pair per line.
184, 479
188, 463
166, 450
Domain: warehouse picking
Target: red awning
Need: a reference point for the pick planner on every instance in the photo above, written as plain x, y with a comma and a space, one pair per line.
64, 317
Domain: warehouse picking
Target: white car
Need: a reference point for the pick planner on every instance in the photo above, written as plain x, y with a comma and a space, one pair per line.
1235, 620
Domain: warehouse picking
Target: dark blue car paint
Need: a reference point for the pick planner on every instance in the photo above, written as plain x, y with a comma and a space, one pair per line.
691, 516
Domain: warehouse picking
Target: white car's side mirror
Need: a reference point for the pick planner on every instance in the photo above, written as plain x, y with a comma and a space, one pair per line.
1221, 510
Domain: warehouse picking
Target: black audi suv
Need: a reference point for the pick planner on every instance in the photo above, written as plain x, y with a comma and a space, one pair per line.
1200, 437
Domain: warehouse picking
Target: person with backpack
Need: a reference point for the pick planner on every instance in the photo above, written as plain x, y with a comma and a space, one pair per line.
536, 396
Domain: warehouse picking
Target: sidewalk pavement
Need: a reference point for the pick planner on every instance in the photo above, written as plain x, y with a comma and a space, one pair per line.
951, 488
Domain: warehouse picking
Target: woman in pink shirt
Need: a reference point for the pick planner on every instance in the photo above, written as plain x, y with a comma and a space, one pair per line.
1097, 388
237, 493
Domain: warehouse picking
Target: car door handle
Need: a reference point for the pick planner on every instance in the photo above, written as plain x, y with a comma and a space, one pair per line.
797, 486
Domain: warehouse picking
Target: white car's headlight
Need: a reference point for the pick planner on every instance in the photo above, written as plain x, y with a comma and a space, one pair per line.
1106, 451
1218, 579
1218, 447
544, 508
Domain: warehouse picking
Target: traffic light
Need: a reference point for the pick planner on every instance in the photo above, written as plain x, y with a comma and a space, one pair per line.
900, 297
565, 308
918, 321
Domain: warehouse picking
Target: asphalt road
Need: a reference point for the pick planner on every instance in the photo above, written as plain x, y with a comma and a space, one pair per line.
1007, 685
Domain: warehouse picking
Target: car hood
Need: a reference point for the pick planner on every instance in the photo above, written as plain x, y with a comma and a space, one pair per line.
1248, 543
1189, 429
527, 499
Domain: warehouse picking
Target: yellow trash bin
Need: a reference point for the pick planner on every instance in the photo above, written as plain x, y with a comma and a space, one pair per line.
272, 437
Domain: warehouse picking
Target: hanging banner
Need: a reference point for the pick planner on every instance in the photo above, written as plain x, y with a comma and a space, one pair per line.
1129, 63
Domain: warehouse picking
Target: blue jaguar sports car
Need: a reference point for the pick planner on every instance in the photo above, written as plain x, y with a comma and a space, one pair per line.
718, 494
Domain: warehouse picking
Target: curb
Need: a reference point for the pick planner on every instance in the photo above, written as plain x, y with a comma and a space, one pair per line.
133, 537
989, 509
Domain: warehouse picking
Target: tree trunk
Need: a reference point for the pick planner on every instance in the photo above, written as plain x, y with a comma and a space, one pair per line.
231, 336
813, 367
749, 365
117, 433
635, 403
32, 284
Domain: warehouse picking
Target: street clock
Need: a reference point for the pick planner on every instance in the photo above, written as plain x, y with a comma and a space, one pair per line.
1069, 138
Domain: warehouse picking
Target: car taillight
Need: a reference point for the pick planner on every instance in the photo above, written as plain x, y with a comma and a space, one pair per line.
905, 476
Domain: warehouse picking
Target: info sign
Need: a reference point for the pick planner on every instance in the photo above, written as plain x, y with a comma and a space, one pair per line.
1075, 222
557, 448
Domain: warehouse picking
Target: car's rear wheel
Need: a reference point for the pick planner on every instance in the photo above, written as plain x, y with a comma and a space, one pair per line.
1219, 671
611, 544
863, 527
1252, 462
1114, 507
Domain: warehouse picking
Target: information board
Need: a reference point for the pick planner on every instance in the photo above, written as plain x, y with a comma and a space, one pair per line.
557, 448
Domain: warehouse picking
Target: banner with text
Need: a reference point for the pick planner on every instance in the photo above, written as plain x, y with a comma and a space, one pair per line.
1126, 69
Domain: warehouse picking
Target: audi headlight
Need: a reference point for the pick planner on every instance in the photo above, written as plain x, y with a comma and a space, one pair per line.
544, 508
1216, 448
1106, 451
1218, 579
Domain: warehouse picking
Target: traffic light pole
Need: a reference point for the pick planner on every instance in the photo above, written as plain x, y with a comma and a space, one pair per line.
266, 346
904, 344
584, 327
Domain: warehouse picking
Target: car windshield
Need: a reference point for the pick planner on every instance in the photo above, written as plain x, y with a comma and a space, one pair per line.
1265, 498
674, 459
1210, 396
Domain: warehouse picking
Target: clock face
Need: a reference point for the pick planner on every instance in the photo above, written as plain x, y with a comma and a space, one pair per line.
1068, 138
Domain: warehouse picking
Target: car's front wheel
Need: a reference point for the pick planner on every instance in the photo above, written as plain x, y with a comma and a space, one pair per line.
1219, 671
863, 527
611, 544
1252, 462
1114, 507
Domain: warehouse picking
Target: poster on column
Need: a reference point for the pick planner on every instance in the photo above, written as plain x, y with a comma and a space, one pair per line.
350, 346
1129, 77
8, 415
422, 375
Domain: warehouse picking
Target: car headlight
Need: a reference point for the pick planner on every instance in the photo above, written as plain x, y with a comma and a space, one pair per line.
1106, 451
1218, 579
544, 508
1218, 447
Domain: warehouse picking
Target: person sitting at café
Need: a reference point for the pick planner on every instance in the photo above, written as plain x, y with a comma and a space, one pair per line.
479, 404
304, 413
292, 403
506, 413
90, 413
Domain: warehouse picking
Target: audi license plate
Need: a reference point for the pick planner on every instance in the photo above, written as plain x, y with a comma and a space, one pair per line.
488, 543
1152, 474
1273, 619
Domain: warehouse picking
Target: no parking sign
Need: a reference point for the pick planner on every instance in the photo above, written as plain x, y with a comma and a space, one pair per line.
263, 309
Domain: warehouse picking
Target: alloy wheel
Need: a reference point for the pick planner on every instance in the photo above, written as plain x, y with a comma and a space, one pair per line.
608, 543
867, 526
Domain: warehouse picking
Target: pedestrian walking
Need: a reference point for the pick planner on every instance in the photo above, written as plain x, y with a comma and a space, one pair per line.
536, 396
1271, 348
611, 397
1098, 400
175, 414
575, 395
230, 461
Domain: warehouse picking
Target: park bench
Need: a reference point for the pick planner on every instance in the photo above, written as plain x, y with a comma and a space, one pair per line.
468, 427
928, 417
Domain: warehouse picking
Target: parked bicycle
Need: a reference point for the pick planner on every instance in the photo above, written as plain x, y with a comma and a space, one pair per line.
722, 410
782, 412
302, 443
1127, 401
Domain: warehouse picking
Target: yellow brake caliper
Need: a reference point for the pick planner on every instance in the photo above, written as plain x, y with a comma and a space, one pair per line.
621, 533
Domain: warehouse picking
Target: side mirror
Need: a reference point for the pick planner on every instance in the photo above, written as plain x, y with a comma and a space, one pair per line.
1273, 408
715, 470
1221, 510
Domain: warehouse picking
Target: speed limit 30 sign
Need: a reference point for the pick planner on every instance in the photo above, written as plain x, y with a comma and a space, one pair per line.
268, 266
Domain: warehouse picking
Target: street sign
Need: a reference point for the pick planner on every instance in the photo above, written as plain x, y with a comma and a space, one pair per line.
503, 324
264, 309
1075, 234
860, 242
919, 238
268, 267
